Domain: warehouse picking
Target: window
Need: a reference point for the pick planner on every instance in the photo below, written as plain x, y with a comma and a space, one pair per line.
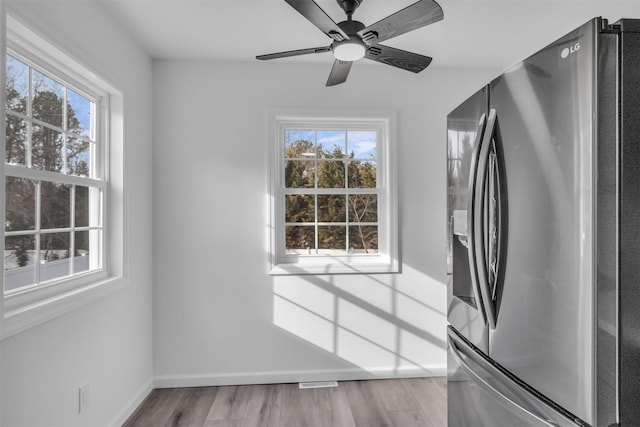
333, 205
53, 178
63, 182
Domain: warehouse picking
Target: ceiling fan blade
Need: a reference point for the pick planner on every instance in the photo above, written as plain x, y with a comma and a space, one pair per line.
339, 72
294, 53
417, 15
310, 10
398, 58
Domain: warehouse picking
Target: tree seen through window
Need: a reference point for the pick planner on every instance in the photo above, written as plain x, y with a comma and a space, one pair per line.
331, 202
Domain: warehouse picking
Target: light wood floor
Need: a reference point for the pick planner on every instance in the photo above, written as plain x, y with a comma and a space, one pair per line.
413, 402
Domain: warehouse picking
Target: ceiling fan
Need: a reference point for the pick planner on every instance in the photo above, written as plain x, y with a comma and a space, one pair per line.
352, 40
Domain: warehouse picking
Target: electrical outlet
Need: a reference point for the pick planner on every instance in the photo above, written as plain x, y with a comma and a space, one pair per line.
83, 398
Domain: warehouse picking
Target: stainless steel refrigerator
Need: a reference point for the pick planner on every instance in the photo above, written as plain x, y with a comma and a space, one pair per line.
544, 238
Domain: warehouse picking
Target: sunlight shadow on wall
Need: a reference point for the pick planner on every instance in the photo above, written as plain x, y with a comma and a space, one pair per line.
367, 322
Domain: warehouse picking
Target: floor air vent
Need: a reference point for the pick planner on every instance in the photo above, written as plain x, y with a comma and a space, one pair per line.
318, 384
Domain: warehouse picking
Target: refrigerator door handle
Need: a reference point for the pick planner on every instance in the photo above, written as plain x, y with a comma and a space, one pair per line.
471, 234
482, 235
497, 198
474, 368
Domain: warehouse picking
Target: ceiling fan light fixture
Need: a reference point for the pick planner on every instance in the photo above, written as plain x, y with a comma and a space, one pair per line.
349, 51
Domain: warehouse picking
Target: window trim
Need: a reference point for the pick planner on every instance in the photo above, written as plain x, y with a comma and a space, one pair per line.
23, 309
387, 259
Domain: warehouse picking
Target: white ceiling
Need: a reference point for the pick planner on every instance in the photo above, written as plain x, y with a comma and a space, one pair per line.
474, 33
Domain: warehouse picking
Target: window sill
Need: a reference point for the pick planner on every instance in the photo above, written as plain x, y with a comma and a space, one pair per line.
322, 265
24, 311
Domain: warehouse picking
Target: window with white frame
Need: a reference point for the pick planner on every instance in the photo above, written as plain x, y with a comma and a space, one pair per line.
53, 177
332, 190
63, 182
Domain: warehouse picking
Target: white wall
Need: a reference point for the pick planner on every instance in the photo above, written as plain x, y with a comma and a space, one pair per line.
107, 344
218, 316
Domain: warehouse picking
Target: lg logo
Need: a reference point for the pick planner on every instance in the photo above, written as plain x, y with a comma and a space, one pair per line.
569, 50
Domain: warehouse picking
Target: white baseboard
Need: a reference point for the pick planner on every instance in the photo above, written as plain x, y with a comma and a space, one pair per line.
243, 378
130, 409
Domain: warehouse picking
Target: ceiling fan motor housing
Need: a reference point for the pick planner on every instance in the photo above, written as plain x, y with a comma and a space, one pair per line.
349, 6
351, 28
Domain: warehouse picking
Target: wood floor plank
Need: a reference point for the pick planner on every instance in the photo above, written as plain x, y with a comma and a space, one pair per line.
263, 406
297, 408
366, 406
416, 418
222, 423
394, 395
332, 407
276, 405
192, 411
159, 409
230, 403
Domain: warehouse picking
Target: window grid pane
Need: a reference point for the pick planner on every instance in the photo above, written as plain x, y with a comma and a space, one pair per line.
55, 251
79, 114
48, 99
331, 174
16, 140
55, 205
20, 200
17, 85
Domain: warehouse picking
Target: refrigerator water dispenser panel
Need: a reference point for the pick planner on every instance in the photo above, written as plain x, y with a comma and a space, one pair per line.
460, 225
